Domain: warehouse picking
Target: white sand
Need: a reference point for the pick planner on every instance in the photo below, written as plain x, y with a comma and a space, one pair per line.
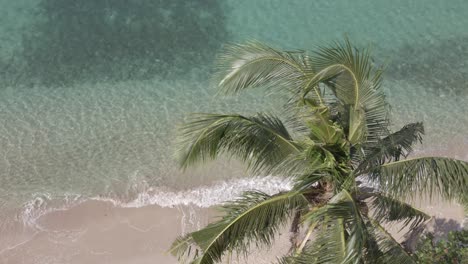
99, 232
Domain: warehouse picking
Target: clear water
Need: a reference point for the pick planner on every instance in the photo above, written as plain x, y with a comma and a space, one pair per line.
91, 91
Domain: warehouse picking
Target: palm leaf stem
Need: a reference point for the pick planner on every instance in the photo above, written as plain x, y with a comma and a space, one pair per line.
306, 238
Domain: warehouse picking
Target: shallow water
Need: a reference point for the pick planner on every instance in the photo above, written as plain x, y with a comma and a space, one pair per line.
91, 92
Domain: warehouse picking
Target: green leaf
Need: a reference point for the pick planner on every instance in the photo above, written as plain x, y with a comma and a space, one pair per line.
328, 246
262, 141
393, 147
308, 162
321, 128
312, 84
342, 207
254, 64
427, 175
183, 248
391, 251
305, 257
387, 209
350, 73
453, 249
357, 125
255, 217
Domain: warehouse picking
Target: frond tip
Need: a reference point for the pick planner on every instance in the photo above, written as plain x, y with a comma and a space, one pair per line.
355, 81
254, 64
262, 140
391, 252
184, 248
426, 175
254, 218
393, 147
388, 209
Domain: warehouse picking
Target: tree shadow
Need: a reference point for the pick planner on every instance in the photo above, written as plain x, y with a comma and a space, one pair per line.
440, 66
442, 226
118, 40
437, 227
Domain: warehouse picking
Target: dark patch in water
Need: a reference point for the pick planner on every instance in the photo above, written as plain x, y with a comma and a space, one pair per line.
441, 67
90, 40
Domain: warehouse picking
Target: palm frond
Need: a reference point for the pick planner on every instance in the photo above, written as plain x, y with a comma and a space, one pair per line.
262, 141
319, 122
328, 246
312, 87
391, 251
372, 252
306, 256
356, 81
254, 64
312, 163
393, 147
309, 180
387, 209
254, 218
309, 158
426, 175
342, 207
184, 248
350, 73
357, 130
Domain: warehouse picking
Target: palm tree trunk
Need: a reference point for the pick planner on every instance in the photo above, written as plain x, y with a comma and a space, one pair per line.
412, 238
294, 230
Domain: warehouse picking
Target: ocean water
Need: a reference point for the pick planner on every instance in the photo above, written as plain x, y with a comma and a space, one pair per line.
91, 92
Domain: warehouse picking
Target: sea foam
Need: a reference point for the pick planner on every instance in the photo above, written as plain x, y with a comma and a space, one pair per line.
202, 196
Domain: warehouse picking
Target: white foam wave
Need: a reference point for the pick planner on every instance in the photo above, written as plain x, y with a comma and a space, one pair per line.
43, 204
204, 196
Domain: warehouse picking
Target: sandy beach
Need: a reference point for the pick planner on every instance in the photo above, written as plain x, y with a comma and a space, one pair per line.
100, 232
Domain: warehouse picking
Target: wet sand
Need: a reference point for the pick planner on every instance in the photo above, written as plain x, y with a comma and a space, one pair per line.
99, 232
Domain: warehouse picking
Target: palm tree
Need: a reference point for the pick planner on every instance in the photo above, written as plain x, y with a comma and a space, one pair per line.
338, 131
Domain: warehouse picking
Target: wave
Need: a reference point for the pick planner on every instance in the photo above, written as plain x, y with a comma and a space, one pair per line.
43, 204
203, 197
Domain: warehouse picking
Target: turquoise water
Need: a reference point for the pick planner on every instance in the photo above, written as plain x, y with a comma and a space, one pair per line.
91, 91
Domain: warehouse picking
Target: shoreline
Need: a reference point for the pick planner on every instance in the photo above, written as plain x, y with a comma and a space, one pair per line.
140, 229
101, 232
